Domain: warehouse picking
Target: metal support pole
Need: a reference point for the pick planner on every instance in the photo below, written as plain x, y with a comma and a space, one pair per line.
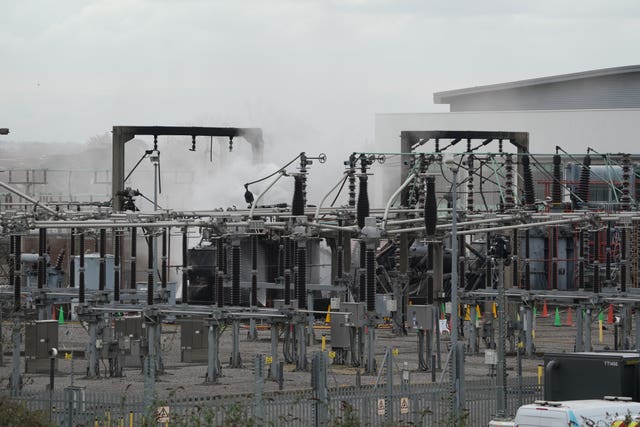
319, 384
301, 341
389, 367
455, 384
236, 360
637, 346
501, 377
213, 370
370, 367
258, 405
16, 379
587, 330
273, 370
93, 357
528, 316
579, 330
150, 367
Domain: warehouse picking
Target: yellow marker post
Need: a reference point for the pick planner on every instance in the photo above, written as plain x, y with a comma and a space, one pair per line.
96, 423
600, 334
494, 310
540, 371
109, 418
130, 418
324, 342
467, 313
327, 319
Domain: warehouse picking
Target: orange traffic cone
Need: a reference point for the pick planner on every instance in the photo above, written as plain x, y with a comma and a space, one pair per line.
569, 317
545, 312
610, 315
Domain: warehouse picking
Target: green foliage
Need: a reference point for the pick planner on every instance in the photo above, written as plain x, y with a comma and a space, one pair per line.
15, 414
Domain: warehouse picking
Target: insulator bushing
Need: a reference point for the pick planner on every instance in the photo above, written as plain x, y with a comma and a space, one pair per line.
625, 198
163, 260
17, 287
339, 250
470, 165
219, 273
297, 205
362, 209
363, 276
81, 286
60, 259
430, 207
556, 185
72, 253
102, 270
301, 278
185, 264
288, 255
116, 265
529, 195
371, 279
585, 177
134, 251
235, 274
254, 271
509, 202
150, 272
623, 260
42, 265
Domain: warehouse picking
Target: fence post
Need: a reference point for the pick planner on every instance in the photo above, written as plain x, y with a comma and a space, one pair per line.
258, 369
319, 383
389, 366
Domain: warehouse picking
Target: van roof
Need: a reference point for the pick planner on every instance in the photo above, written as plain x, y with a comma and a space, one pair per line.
589, 403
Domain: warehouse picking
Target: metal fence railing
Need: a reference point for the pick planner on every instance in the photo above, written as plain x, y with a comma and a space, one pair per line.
415, 404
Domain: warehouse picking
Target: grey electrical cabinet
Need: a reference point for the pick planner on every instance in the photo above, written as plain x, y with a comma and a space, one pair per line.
194, 341
92, 270
340, 331
356, 312
130, 332
590, 375
420, 317
40, 336
278, 304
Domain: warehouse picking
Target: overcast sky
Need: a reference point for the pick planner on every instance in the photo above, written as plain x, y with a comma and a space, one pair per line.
321, 69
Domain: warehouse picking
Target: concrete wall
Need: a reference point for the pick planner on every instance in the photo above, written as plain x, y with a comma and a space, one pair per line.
611, 131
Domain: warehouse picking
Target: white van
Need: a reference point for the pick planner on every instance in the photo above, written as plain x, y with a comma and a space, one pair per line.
572, 413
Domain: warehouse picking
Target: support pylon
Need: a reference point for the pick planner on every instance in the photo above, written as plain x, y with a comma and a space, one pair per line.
545, 312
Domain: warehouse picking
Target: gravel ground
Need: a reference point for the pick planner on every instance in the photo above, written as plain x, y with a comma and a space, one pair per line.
188, 379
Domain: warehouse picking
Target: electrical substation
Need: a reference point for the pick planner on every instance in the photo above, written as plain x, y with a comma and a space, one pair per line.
491, 274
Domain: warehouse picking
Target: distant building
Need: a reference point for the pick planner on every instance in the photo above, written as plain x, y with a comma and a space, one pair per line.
599, 109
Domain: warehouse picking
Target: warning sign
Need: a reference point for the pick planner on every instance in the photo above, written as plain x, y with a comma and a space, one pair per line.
404, 405
382, 406
268, 360
162, 414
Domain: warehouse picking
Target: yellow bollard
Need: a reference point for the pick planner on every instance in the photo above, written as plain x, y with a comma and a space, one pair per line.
130, 418
324, 342
96, 423
108, 414
600, 334
540, 371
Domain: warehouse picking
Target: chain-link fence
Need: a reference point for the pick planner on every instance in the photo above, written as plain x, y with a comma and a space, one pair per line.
399, 405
